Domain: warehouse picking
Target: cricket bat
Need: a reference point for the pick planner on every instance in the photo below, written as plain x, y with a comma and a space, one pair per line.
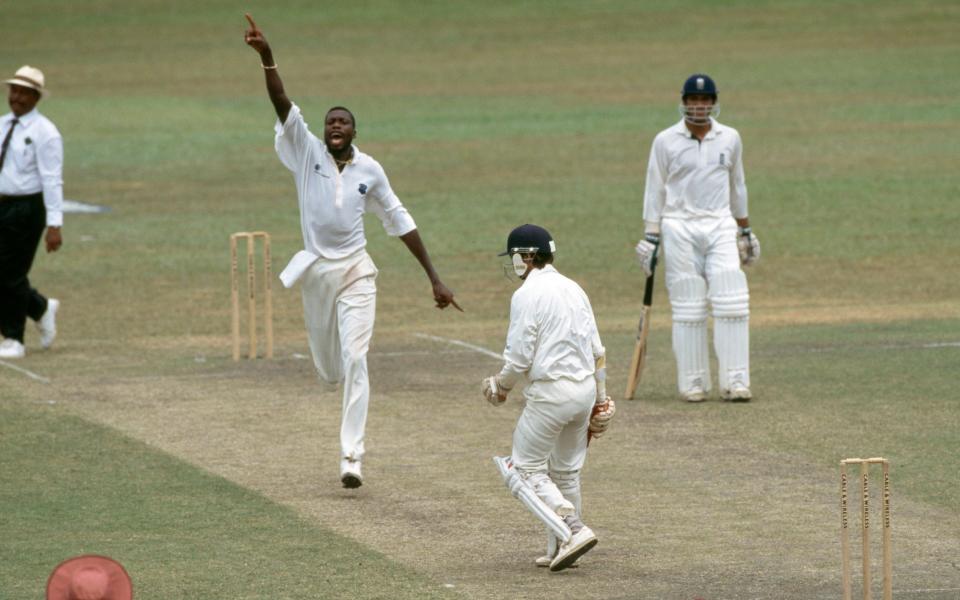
640, 349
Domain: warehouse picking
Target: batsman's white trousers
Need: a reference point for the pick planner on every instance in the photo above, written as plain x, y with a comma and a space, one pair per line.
701, 260
339, 304
551, 434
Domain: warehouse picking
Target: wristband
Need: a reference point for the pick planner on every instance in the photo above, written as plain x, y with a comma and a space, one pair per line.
273, 66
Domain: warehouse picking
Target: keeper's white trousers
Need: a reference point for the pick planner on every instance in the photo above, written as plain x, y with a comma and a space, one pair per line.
339, 303
703, 263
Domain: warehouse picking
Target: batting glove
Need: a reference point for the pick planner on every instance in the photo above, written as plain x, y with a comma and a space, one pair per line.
749, 247
647, 252
493, 392
601, 416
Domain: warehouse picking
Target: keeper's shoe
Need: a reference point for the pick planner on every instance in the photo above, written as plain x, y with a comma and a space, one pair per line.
581, 542
11, 348
47, 325
350, 475
695, 394
737, 393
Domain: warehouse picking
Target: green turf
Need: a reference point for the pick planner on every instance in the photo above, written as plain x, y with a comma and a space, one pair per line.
842, 391
68, 487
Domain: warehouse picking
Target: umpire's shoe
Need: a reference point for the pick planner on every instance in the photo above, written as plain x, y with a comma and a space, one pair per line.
47, 325
350, 475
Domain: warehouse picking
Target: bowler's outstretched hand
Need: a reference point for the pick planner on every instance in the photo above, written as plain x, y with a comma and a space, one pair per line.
444, 297
254, 37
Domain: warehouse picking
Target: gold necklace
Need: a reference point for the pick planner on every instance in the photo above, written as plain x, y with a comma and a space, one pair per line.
343, 163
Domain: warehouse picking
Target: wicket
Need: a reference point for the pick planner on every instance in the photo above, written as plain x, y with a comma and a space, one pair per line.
865, 520
251, 237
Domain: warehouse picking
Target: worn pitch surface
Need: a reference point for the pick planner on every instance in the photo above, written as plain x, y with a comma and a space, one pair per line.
684, 505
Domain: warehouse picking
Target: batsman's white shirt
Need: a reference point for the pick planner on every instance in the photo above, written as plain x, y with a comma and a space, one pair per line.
332, 203
34, 162
553, 341
688, 178
553, 334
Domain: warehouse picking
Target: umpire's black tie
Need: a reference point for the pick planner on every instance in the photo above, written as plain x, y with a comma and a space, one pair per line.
6, 142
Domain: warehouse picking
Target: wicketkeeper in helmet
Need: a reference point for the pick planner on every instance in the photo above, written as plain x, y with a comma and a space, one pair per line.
553, 345
695, 210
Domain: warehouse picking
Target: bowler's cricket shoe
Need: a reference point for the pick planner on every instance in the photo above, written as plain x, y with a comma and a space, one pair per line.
47, 325
350, 475
581, 542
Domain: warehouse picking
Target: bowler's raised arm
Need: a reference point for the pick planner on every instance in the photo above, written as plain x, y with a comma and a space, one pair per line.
256, 40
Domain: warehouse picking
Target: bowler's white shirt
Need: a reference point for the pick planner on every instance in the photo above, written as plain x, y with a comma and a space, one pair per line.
332, 203
34, 162
689, 178
553, 333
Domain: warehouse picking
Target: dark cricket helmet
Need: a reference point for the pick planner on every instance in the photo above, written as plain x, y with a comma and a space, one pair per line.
699, 83
530, 239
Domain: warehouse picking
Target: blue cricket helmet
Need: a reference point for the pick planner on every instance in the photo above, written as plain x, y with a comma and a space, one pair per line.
699, 83
530, 238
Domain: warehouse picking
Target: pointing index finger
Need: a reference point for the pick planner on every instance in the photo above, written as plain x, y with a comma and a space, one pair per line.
253, 25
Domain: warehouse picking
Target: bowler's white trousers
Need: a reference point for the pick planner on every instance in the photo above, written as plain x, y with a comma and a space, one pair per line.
339, 304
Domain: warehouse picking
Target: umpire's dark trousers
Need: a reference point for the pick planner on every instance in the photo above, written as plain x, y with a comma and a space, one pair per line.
22, 221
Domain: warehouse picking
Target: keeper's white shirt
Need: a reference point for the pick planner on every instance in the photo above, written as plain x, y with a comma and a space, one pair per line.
553, 333
332, 203
34, 162
688, 178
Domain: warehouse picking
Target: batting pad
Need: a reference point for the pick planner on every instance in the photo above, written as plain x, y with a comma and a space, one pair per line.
569, 484
692, 354
731, 327
729, 295
688, 299
525, 494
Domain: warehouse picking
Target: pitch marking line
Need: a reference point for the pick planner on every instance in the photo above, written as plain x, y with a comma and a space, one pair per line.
460, 343
942, 345
927, 346
29, 374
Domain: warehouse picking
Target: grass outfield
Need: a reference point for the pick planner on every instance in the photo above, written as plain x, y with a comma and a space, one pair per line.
72, 487
486, 115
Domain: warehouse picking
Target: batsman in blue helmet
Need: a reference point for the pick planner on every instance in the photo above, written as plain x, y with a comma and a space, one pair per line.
695, 211
554, 352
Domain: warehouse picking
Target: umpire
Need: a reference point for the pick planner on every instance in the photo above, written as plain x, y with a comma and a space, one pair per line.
31, 199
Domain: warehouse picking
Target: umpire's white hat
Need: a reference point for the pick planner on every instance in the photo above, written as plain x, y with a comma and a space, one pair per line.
28, 77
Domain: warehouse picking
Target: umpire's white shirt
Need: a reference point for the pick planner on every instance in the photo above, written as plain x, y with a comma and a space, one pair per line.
332, 203
34, 162
688, 178
553, 334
